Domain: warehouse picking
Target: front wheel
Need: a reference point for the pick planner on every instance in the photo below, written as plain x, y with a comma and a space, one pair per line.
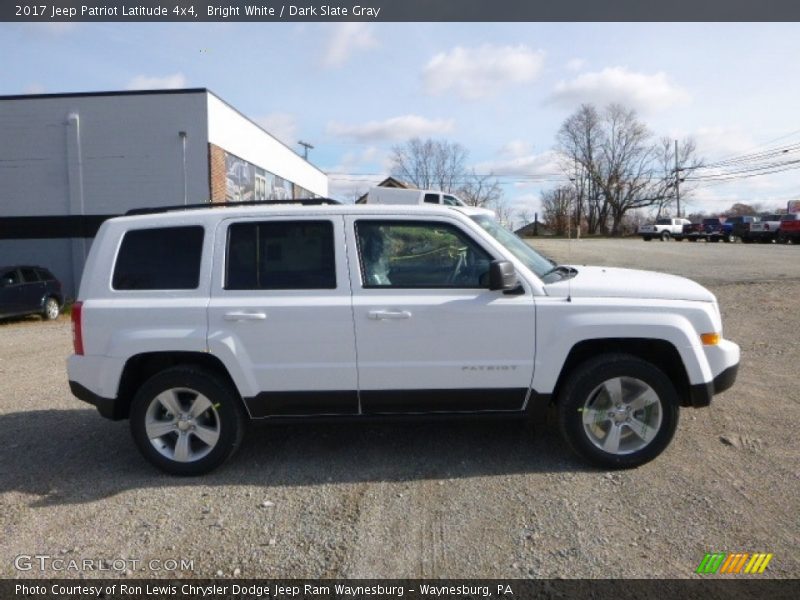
665, 236
618, 411
647, 238
186, 421
730, 238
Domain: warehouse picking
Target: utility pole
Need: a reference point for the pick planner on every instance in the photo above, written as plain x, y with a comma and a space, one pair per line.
306, 147
677, 181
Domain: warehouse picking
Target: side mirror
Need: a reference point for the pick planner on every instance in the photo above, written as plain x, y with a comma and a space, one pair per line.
502, 276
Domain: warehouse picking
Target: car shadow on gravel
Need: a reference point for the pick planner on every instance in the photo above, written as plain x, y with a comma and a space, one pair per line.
76, 456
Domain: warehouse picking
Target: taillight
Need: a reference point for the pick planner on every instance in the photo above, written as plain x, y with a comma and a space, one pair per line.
77, 331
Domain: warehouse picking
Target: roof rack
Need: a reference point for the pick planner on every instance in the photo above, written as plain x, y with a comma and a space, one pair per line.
176, 207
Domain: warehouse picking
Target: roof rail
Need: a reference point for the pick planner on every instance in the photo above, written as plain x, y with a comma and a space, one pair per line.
176, 207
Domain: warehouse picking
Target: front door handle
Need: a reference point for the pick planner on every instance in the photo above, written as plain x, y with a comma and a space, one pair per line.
245, 316
386, 315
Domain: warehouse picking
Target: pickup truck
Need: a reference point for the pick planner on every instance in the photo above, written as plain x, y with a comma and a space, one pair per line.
766, 230
789, 231
664, 229
740, 226
303, 310
712, 229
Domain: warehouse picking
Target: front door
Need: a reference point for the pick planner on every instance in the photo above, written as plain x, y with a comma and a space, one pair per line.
431, 336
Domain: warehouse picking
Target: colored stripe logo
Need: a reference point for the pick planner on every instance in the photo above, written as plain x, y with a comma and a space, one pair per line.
734, 563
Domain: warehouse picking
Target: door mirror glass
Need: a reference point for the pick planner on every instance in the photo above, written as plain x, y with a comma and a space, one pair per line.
502, 276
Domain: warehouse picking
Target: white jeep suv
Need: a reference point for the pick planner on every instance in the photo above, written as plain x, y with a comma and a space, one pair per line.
190, 321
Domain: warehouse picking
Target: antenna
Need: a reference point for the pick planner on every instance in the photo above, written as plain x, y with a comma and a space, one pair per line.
306, 147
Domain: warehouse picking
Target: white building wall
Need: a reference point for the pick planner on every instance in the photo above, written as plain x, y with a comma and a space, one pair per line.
238, 135
128, 147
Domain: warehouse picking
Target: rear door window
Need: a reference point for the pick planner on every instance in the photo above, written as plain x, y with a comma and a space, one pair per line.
165, 258
29, 275
280, 255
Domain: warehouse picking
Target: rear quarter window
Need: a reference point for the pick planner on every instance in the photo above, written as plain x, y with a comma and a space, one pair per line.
166, 258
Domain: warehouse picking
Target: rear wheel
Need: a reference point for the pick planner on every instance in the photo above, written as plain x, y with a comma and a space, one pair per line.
730, 238
618, 411
678, 238
51, 309
186, 421
647, 238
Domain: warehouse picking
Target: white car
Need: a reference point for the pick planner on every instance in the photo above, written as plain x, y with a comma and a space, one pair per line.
190, 321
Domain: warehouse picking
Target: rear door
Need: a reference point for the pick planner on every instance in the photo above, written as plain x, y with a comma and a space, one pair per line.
431, 336
31, 290
280, 311
10, 291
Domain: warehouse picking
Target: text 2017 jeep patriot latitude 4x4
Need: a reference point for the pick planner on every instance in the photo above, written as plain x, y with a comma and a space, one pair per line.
189, 322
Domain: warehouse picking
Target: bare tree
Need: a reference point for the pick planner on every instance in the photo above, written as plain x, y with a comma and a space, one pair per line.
440, 165
504, 214
430, 164
665, 166
556, 208
480, 190
615, 166
579, 141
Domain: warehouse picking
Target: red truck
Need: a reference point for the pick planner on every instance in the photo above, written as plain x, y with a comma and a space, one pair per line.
789, 230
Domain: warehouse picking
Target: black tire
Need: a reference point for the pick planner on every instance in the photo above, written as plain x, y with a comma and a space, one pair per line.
692, 239
782, 239
51, 309
730, 238
647, 238
678, 238
665, 236
224, 415
583, 389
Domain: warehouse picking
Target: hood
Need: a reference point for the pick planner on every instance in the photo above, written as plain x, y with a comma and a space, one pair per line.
611, 282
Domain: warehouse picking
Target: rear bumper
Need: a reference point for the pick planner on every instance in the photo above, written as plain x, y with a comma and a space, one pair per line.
107, 407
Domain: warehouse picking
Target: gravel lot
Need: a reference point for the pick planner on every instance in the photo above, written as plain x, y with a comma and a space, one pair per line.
427, 500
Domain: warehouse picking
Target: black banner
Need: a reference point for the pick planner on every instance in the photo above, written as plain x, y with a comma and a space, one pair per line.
401, 10
742, 588
51, 227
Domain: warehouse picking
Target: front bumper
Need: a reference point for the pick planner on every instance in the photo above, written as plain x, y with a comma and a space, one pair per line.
723, 360
701, 393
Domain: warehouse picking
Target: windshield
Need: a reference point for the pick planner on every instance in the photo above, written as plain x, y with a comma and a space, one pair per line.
532, 259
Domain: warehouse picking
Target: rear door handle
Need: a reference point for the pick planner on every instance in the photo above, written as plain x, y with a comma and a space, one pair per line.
386, 315
245, 316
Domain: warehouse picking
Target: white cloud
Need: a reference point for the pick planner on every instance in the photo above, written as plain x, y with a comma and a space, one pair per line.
576, 64
643, 92
281, 125
716, 143
396, 128
529, 169
483, 71
168, 82
516, 148
345, 40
